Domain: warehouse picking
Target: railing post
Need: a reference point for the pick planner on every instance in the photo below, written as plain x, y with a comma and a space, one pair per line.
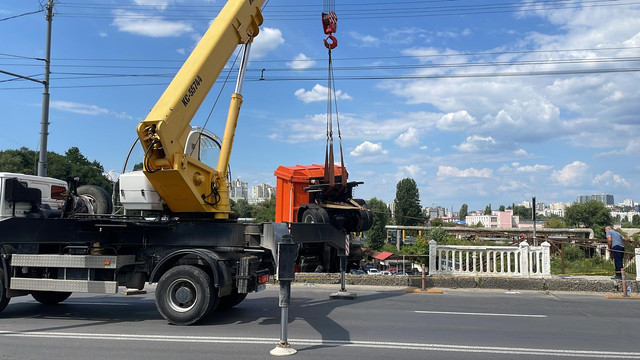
546, 258
637, 250
433, 257
524, 258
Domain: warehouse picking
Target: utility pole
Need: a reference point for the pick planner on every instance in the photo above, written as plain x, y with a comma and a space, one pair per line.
44, 124
533, 217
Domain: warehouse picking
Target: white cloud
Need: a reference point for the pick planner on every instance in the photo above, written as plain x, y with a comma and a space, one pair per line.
512, 185
77, 108
476, 143
367, 149
408, 138
450, 171
86, 109
534, 168
365, 40
571, 174
456, 121
412, 171
267, 40
160, 4
146, 25
301, 62
319, 93
608, 178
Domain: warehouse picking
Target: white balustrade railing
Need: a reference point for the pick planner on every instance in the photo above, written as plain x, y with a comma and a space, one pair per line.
520, 261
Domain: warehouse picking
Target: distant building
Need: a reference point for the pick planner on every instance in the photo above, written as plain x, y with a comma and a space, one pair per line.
556, 209
497, 220
436, 212
238, 190
606, 199
262, 192
526, 204
628, 202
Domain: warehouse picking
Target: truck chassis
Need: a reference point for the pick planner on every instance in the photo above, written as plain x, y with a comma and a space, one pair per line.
199, 265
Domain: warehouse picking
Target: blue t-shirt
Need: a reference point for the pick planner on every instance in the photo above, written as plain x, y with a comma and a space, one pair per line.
616, 238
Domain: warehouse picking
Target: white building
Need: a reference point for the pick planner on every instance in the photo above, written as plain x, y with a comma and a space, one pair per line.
238, 190
627, 202
262, 192
497, 220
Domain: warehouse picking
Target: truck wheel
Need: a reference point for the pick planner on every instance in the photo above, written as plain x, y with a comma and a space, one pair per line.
4, 300
229, 301
50, 297
184, 295
99, 198
316, 215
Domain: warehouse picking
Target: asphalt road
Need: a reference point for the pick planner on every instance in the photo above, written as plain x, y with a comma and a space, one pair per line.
382, 323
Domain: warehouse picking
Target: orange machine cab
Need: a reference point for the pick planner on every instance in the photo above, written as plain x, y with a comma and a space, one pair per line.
290, 193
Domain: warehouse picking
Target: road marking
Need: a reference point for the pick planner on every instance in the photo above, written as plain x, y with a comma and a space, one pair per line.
330, 343
479, 314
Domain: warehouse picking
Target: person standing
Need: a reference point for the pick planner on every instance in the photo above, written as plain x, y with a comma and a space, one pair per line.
616, 250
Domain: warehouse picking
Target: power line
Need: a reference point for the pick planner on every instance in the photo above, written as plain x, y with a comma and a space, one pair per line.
347, 11
464, 54
383, 77
21, 15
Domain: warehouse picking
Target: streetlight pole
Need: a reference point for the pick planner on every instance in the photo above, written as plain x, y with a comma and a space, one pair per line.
44, 124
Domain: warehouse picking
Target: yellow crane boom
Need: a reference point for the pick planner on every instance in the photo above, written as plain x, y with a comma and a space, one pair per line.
185, 183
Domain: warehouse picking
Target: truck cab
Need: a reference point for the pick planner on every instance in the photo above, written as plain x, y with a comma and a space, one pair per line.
24, 195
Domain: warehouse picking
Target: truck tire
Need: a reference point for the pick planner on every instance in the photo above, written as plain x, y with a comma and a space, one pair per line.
99, 197
229, 301
185, 295
4, 300
316, 215
50, 297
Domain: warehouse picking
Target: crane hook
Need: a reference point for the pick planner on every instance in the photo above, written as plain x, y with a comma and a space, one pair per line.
332, 43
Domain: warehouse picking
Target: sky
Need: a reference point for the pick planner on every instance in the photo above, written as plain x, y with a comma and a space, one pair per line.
480, 102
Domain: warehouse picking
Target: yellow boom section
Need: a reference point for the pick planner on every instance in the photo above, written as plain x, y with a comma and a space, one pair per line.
183, 182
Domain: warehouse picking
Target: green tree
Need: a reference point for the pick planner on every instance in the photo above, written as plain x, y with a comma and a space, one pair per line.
635, 220
501, 208
22, 161
592, 214
437, 222
463, 212
265, 211
555, 223
242, 208
377, 235
407, 203
487, 210
64, 167
523, 212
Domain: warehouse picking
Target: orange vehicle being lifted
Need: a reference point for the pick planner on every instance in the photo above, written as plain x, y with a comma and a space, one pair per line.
304, 196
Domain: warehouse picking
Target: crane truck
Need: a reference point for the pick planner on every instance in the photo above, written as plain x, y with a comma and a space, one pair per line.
58, 238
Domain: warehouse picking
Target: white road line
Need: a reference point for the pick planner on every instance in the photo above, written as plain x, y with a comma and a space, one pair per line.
479, 314
330, 343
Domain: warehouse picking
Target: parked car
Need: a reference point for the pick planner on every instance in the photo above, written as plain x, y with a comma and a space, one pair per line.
385, 272
373, 271
357, 272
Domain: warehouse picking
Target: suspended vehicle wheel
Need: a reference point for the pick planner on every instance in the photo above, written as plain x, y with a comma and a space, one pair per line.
50, 297
315, 214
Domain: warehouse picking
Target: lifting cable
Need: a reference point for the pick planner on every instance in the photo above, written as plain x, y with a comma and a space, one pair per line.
330, 24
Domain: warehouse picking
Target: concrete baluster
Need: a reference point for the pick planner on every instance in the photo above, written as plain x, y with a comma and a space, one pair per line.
524, 258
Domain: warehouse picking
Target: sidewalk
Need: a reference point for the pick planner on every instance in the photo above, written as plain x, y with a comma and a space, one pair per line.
600, 284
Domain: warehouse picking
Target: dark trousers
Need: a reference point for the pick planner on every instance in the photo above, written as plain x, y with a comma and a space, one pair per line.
617, 252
